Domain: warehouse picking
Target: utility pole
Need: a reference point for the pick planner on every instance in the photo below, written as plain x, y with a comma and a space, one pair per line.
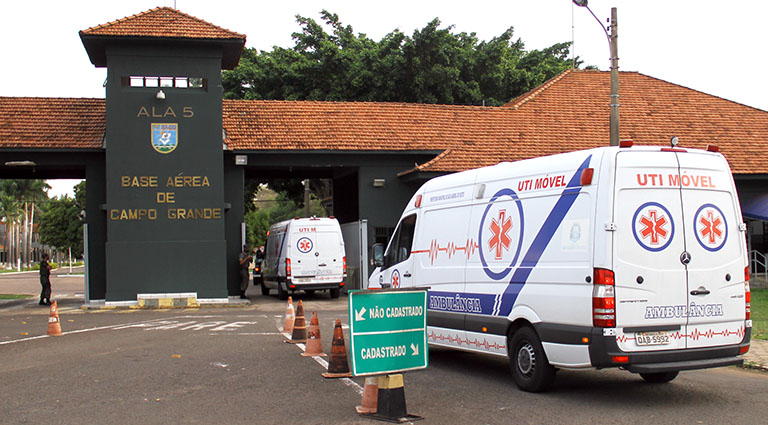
613, 44
614, 40
306, 198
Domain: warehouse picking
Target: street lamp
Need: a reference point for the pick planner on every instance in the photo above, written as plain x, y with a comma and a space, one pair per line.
613, 39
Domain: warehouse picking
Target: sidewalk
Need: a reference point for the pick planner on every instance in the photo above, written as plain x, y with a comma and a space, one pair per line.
757, 356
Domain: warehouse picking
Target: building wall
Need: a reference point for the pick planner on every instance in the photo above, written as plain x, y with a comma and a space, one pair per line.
152, 245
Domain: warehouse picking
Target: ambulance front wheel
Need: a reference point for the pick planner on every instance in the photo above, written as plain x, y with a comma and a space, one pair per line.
530, 368
659, 377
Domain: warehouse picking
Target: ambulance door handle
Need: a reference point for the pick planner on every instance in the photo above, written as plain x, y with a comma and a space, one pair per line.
701, 291
406, 274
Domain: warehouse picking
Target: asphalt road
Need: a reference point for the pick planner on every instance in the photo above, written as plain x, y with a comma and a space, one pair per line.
231, 366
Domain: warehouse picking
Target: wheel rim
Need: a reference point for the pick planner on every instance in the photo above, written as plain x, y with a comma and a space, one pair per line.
526, 359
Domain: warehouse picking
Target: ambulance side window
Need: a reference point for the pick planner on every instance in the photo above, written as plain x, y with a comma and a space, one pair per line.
400, 249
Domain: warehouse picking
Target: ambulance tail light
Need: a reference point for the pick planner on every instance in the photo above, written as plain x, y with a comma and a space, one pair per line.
345, 266
626, 143
603, 299
747, 298
586, 176
713, 148
287, 267
417, 204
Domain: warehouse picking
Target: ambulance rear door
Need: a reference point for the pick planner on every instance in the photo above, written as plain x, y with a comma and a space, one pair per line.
651, 291
303, 256
716, 249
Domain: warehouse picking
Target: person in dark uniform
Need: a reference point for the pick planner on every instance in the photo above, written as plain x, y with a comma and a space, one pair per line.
245, 259
45, 281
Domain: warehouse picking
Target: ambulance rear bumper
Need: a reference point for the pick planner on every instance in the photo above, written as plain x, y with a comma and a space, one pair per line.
604, 350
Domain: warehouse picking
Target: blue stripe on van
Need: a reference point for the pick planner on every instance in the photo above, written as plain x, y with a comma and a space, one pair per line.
541, 241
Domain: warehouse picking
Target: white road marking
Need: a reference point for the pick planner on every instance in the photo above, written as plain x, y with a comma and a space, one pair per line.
348, 382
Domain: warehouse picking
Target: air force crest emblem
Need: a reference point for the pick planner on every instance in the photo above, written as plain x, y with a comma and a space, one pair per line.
165, 137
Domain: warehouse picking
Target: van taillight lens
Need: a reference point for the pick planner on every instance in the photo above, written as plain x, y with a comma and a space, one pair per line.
345, 266
746, 274
287, 267
747, 301
603, 299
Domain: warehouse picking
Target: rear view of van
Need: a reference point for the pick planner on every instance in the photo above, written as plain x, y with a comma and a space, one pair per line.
625, 257
304, 254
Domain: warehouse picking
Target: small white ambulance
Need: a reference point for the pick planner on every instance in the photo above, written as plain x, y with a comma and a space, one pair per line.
629, 257
304, 254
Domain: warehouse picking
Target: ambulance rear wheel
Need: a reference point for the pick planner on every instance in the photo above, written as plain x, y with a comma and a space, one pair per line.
530, 369
659, 377
282, 294
335, 292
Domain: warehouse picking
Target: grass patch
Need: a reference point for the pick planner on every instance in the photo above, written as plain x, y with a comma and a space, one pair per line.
760, 313
14, 296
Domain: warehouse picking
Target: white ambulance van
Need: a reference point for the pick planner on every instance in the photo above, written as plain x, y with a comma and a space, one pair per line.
304, 254
628, 257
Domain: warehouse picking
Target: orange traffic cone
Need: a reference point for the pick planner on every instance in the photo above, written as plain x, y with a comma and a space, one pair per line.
299, 326
370, 396
54, 327
338, 367
314, 344
289, 317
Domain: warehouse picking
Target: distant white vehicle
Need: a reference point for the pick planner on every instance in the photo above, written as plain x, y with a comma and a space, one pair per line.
628, 257
304, 254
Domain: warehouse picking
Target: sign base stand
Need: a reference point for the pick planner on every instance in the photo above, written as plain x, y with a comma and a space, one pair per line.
390, 404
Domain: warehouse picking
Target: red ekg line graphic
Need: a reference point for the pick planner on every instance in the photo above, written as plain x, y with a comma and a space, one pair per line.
695, 335
456, 340
451, 249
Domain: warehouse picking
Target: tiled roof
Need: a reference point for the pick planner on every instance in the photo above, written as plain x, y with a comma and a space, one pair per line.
573, 113
568, 113
60, 123
271, 125
162, 22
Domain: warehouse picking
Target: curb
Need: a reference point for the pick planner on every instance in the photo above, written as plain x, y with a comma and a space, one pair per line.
754, 366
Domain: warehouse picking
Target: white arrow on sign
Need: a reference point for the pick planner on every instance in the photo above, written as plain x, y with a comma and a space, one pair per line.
359, 315
415, 349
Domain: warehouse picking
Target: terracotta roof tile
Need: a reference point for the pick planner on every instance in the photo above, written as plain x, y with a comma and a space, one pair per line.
570, 113
162, 22
60, 123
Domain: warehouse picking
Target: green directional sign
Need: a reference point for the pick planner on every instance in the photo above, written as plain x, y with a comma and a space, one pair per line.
388, 331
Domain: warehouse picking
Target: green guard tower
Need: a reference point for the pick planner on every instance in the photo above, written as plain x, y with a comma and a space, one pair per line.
169, 198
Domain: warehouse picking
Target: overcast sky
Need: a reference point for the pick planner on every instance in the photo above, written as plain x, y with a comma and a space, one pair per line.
712, 46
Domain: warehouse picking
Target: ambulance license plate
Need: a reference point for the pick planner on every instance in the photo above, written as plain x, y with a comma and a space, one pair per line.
652, 338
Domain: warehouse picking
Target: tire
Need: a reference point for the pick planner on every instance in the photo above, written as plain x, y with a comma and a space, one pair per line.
335, 292
264, 289
282, 294
531, 370
659, 377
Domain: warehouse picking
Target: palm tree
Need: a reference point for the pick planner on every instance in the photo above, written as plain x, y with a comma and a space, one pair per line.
26, 193
11, 212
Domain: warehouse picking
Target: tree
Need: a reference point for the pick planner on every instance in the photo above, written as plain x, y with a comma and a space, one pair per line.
26, 193
434, 65
60, 226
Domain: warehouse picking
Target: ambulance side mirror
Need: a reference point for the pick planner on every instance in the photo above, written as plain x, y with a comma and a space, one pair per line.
378, 255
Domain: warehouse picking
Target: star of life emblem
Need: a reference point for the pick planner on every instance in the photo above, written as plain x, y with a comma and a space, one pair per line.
653, 226
711, 229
